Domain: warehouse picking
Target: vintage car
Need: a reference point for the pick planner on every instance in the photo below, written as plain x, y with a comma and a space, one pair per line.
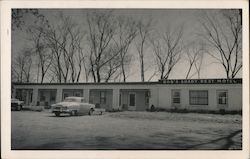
16, 104
73, 106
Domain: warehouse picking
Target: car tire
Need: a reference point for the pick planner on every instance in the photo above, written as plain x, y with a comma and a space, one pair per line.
91, 111
73, 113
18, 108
57, 114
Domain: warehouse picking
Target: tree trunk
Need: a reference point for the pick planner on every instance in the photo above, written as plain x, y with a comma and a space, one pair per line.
189, 69
98, 75
142, 70
123, 72
42, 78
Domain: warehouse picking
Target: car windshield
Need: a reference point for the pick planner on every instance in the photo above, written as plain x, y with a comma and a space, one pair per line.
71, 100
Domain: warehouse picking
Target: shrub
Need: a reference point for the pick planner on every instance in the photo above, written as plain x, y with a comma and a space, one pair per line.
152, 108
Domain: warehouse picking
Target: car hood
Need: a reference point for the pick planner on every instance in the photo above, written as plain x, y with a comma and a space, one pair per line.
66, 104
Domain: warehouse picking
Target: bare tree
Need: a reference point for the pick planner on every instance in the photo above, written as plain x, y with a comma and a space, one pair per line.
54, 40
40, 49
15, 76
167, 50
101, 29
144, 32
87, 68
125, 36
223, 31
75, 54
64, 40
198, 64
64, 27
154, 73
21, 66
80, 58
111, 68
194, 53
18, 17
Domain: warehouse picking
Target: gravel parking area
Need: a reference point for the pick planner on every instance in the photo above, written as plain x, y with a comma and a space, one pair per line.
126, 130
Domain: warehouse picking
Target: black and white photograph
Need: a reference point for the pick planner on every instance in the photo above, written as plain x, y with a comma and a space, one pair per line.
126, 79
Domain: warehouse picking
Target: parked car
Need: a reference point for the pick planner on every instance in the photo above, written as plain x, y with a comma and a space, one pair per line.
73, 106
16, 104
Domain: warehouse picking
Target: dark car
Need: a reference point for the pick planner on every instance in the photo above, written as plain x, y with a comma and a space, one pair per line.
16, 104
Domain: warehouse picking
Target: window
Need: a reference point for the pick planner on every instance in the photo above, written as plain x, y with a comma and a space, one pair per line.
103, 97
73, 92
77, 94
42, 96
198, 97
222, 97
176, 96
65, 95
53, 96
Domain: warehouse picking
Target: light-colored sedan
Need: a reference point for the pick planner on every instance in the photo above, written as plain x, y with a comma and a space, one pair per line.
73, 106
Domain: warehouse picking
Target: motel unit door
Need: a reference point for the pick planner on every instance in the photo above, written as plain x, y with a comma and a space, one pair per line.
132, 101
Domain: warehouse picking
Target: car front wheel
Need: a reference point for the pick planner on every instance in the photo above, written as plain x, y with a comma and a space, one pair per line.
91, 111
18, 108
73, 113
57, 114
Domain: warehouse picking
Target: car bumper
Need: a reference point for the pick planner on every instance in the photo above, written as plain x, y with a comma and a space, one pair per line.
64, 111
13, 107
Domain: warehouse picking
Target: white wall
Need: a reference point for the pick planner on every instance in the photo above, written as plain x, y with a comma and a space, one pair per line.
154, 97
235, 99
160, 94
234, 95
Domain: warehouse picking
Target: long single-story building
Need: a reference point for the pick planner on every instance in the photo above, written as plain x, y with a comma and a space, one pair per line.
198, 94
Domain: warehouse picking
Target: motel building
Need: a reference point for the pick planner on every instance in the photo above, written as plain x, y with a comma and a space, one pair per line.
190, 94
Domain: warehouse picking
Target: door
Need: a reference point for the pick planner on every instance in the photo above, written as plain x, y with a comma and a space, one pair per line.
132, 101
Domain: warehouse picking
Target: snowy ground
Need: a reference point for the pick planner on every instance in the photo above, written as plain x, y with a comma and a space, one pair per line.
126, 130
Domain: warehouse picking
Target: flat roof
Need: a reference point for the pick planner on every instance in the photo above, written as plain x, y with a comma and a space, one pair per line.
88, 83
161, 81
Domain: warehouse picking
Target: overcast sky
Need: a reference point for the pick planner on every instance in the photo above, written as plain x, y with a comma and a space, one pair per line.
161, 17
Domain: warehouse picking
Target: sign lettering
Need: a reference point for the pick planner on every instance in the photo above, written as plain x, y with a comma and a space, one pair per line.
201, 81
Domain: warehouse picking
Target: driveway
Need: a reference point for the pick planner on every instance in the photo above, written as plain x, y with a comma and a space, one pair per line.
126, 131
